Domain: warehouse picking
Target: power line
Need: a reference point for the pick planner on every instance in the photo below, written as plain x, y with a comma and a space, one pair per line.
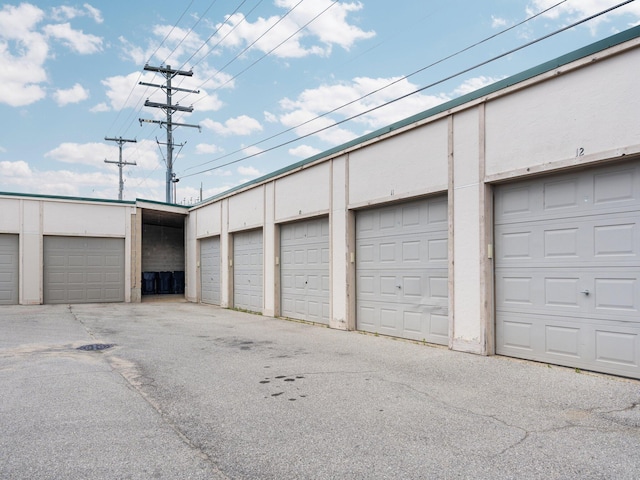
277, 46
373, 92
461, 72
252, 44
151, 56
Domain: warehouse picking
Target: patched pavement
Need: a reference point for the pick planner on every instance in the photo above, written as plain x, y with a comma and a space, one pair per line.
182, 391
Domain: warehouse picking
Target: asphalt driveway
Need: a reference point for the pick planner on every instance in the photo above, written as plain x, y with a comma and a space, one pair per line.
186, 391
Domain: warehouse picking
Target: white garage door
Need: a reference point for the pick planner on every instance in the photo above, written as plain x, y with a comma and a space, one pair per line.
210, 270
401, 265
83, 270
567, 267
304, 270
8, 269
247, 270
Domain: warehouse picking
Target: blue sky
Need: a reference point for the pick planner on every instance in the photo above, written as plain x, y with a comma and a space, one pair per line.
71, 73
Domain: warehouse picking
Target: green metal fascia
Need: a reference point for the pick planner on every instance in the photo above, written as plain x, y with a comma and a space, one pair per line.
61, 197
157, 202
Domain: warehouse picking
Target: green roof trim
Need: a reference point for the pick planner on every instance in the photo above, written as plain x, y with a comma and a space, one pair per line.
62, 197
157, 202
548, 66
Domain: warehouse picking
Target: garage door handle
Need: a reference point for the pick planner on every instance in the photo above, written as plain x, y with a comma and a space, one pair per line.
585, 291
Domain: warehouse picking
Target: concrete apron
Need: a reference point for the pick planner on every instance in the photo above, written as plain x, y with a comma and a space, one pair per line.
195, 391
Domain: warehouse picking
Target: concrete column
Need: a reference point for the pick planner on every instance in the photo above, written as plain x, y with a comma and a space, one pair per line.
31, 259
191, 258
467, 195
270, 279
226, 254
340, 265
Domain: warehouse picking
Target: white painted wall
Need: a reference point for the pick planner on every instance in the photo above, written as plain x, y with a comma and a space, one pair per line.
594, 108
10, 215
32, 218
207, 220
409, 164
84, 219
246, 209
306, 193
531, 125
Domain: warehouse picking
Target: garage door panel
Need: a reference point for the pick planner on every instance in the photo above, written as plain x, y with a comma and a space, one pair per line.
402, 270
612, 190
247, 270
567, 267
83, 269
596, 239
304, 270
210, 270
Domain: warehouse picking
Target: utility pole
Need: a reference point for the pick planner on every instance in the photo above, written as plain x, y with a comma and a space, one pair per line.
120, 163
169, 108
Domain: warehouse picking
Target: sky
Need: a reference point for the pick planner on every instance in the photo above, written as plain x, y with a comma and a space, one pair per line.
278, 81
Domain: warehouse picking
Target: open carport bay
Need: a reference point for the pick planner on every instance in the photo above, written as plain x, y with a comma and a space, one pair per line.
196, 391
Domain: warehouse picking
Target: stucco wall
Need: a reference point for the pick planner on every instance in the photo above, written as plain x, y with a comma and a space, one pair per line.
34, 217
584, 110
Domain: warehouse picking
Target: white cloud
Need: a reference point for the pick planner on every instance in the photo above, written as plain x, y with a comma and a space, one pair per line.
67, 13
353, 95
100, 107
76, 40
14, 169
270, 117
23, 52
119, 90
207, 148
75, 94
572, 11
328, 26
251, 151
242, 125
144, 153
18, 175
473, 84
304, 151
93, 13
249, 172
497, 22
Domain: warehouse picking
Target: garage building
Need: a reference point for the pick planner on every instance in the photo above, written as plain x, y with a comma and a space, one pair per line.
504, 221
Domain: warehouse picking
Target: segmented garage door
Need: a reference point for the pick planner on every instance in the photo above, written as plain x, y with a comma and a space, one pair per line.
401, 265
83, 270
247, 270
210, 270
567, 265
304, 270
8, 269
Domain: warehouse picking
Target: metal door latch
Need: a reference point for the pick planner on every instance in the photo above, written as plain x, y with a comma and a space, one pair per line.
585, 291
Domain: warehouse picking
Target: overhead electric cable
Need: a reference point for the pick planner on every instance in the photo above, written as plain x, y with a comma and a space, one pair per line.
216, 32
200, 17
277, 46
385, 86
402, 97
254, 42
150, 57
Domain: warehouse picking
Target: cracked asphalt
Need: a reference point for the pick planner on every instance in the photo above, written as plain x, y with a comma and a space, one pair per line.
191, 391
